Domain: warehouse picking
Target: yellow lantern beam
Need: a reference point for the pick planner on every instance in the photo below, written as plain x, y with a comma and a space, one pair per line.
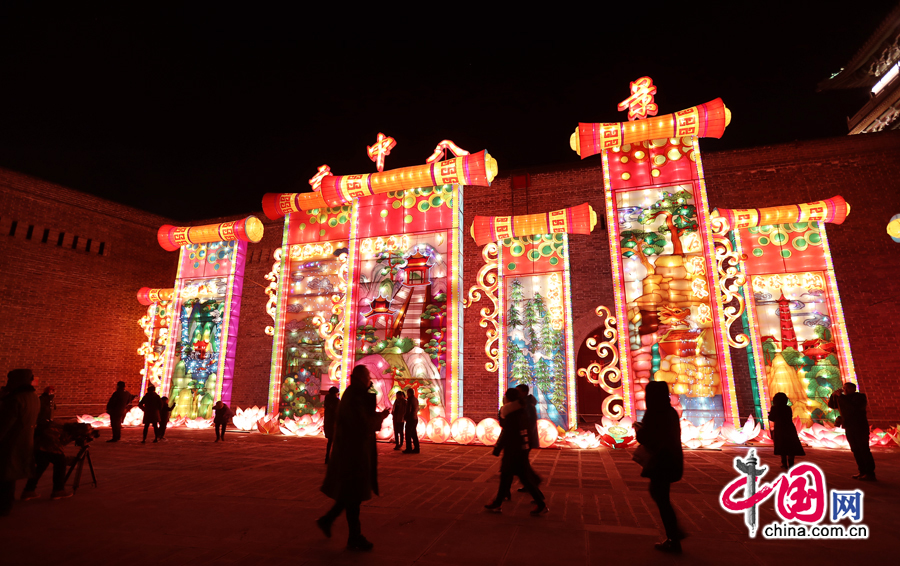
833, 210
579, 219
147, 296
249, 229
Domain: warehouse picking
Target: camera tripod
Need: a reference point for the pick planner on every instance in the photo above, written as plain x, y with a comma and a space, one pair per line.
78, 464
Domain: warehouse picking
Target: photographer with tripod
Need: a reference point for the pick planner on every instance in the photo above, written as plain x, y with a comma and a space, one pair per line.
18, 416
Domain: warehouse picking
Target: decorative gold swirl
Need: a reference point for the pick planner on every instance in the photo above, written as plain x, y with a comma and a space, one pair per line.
488, 282
333, 334
731, 279
272, 291
606, 375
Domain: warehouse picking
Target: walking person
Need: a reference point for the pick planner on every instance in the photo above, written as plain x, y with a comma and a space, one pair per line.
331, 405
223, 413
659, 435
150, 404
116, 407
165, 412
398, 411
852, 406
784, 435
19, 410
412, 421
529, 405
352, 474
513, 443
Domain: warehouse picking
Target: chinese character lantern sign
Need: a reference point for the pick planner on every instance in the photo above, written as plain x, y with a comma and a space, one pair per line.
199, 355
664, 269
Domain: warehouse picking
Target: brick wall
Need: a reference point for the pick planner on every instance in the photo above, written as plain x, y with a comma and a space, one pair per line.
70, 268
76, 319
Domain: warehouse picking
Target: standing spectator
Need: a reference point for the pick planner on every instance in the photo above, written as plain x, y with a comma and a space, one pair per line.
529, 405
150, 404
47, 404
116, 407
659, 434
331, 405
352, 474
223, 413
164, 412
784, 435
514, 442
399, 413
412, 421
852, 406
18, 416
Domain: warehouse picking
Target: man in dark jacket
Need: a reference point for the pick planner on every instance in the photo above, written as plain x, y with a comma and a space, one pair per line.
117, 406
150, 404
852, 406
352, 475
331, 405
18, 417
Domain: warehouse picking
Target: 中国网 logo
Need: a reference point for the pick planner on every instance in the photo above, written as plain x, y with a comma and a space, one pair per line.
801, 501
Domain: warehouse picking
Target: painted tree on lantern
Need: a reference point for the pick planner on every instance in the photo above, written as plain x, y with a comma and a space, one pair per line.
558, 373
679, 216
519, 372
636, 243
543, 379
532, 323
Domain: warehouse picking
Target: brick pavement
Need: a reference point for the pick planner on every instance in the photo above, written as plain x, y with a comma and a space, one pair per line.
252, 500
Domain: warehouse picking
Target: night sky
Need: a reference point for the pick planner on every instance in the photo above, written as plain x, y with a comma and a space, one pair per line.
196, 115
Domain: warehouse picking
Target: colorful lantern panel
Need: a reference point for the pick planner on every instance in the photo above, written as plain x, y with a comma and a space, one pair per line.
199, 356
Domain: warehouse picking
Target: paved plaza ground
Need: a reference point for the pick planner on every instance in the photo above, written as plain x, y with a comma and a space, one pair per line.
252, 500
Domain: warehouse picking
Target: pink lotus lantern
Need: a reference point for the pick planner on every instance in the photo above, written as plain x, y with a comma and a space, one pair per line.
101, 421
268, 424
742, 435
177, 422
387, 430
134, 417
820, 436
895, 438
198, 424
245, 419
488, 431
305, 425
547, 433
583, 439
616, 434
880, 437
704, 436
422, 429
438, 430
764, 438
463, 430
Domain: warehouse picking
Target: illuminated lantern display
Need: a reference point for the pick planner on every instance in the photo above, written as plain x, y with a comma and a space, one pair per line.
798, 338
488, 431
438, 430
463, 430
155, 325
663, 261
198, 360
370, 272
547, 433
526, 276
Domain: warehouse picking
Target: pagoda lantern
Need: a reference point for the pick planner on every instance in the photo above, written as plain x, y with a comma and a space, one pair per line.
417, 270
788, 337
380, 311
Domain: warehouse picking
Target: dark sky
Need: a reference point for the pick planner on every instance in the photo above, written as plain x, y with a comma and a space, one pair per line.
196, 115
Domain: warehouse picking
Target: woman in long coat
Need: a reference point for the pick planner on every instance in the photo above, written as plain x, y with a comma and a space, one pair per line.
352, 475
660, 434
787, 443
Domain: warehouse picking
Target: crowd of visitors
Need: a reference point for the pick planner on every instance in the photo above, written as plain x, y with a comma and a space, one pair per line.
31, 441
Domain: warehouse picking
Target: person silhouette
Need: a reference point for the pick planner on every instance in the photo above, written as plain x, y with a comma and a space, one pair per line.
116, 407
852, 406
331, 405
399, 413
412, 421
164, 412
784, 434
19, 410
222, 414
150, 404
659, 433
514, 443
352, 475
